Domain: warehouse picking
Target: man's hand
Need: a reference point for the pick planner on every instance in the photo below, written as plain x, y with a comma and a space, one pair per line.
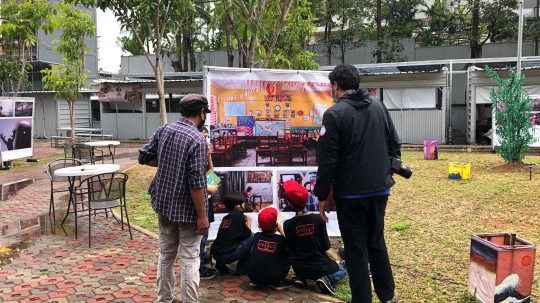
322, 208
212, 190
152, 163
202, 226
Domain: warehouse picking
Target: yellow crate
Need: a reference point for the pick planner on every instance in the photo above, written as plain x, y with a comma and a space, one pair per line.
459, 171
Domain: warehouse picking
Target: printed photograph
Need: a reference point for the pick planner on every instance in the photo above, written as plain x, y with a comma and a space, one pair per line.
304, 178
536, 103
256, 186
6, 108
280, 136
15, 134
24, 109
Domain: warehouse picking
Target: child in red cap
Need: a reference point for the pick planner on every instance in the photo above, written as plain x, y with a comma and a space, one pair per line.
270, 256
308, 240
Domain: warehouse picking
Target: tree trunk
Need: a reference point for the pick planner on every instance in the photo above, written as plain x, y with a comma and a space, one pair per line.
177, 64
23, 67
230, 56
185, 51
161, 92
192, 59
328, 33
379, 31
71, 106
191, 40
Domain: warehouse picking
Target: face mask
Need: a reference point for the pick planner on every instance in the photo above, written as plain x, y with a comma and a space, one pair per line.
201, 125
208, 141
334, 99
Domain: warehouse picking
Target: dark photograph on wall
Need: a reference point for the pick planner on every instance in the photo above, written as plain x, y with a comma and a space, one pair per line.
15, 134
306, 179
255, 186
24, 109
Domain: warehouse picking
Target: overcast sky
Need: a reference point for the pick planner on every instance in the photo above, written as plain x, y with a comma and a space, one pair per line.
108, 30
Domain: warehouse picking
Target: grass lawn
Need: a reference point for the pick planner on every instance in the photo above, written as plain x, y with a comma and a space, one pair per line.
22, 164
429, 220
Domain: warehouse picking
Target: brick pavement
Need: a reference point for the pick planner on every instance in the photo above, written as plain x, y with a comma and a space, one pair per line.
60, 268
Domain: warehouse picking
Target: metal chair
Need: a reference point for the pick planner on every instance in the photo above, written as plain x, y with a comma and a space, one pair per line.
68, 147
102, 193
51, 168
85, 153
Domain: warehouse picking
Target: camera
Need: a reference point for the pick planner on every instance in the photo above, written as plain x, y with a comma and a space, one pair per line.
404, 171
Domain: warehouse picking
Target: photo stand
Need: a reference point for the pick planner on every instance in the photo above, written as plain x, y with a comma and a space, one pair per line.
4, 165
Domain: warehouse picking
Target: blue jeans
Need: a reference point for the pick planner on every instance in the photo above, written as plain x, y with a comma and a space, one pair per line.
242, 253
338, 275
203, 245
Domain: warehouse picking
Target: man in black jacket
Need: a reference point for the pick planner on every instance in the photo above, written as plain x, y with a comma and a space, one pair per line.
356, 140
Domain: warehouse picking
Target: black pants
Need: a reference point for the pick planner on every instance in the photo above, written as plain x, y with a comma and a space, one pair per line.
361, 222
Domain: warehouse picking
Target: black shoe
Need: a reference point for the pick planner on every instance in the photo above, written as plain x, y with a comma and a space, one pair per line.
207, 256
394, 300
241, 268
341, 252
206, 273
223, 269
240, 271
283, 284
325, 285
300, 283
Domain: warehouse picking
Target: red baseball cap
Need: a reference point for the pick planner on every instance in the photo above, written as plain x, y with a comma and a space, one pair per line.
296, 193
268, 219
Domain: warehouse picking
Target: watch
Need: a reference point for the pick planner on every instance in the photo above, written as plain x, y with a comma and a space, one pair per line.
277, 107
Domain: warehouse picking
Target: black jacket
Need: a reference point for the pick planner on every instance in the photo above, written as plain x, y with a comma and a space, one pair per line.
356, 140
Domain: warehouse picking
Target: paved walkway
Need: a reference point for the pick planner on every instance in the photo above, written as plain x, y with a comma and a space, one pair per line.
58, 267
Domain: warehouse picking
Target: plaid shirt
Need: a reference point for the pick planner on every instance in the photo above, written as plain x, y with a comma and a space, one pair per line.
181, 152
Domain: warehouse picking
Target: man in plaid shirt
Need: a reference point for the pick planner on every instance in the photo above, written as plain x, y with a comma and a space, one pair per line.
178, 194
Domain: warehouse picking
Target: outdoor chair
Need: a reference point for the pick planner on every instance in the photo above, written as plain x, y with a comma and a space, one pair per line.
86, 154
103, 193
68, 148
51, 168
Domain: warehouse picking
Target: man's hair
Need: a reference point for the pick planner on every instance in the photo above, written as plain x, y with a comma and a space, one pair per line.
190, 111
249, 188
233, 199
346, 76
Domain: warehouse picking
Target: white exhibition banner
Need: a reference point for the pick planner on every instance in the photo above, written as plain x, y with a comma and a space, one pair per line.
482, 92
407, 98
16, 122
264, 104
535, 119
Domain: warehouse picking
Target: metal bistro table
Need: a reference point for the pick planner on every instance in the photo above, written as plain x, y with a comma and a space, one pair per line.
79, 171
110, 144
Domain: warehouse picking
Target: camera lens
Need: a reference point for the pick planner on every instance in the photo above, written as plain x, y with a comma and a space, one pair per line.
405, 172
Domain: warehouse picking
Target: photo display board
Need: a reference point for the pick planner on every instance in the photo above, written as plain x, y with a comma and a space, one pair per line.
272, 115
16, 122
266, 185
